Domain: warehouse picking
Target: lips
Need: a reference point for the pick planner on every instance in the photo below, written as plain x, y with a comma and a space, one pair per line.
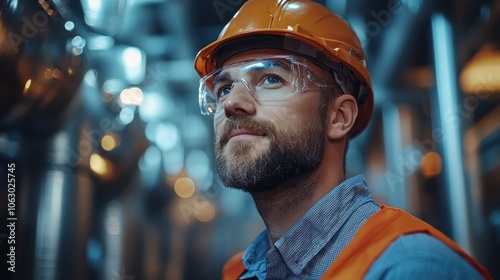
242, 133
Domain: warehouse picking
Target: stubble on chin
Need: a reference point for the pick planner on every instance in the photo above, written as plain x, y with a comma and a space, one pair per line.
260, 166
236, 161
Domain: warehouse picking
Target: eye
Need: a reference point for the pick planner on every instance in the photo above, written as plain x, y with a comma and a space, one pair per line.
223, 91
272, 79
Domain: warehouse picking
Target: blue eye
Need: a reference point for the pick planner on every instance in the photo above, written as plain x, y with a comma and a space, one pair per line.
223, 91
272, 79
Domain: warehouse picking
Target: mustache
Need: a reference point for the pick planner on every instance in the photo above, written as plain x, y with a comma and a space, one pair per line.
248, 123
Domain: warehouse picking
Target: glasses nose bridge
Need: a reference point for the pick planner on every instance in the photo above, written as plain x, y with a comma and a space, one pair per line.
246, 85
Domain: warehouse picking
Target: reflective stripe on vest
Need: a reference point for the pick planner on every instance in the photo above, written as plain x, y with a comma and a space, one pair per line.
371, 240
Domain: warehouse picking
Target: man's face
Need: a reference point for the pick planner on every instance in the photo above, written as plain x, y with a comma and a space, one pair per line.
259, 145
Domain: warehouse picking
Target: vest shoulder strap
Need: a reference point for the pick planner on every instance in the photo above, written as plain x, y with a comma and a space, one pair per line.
373, 238
234, 267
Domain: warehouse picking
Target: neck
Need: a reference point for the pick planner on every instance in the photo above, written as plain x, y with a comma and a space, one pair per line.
284, 205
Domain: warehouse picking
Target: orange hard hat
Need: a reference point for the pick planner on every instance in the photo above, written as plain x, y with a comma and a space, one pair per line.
303, 27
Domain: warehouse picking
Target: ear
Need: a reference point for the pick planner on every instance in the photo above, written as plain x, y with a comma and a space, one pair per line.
343, 111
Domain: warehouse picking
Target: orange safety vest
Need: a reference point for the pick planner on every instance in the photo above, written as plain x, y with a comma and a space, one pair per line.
371, 240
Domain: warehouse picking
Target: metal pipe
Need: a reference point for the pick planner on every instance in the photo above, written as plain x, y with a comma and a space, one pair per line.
449, 124
396, 193
55, 197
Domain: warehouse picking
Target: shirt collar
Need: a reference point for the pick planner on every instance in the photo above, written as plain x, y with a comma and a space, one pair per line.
254, 258
302, 242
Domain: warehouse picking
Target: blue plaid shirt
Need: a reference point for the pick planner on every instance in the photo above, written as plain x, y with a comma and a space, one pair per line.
311, 245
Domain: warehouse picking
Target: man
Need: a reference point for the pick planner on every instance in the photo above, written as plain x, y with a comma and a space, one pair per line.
288, 86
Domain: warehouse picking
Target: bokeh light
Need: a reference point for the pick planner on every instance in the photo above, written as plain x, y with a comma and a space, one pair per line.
184, 187
430, 164
205, 214
110, 141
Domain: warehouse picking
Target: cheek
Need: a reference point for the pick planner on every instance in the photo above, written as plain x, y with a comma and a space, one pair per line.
295, 113
284, 114
218, 125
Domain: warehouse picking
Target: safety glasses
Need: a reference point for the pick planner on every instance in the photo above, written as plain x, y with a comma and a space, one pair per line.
266, 78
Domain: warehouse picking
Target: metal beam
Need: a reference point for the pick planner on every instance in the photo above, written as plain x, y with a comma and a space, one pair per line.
449, 124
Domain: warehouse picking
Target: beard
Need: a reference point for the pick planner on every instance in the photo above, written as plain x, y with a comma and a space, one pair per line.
296, 150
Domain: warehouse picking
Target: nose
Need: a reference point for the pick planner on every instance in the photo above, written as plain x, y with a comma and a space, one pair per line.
240, 100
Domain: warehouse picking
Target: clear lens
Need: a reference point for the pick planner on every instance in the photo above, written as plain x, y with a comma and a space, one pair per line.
266, 78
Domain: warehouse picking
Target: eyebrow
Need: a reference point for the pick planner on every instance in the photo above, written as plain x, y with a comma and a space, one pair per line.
221, 77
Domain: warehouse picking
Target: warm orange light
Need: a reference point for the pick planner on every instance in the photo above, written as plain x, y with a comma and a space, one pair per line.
205, 214
184, 187
102, 167
27, 86
98, 164
419, 77
56, 73
431, 164
110, 141
481, 74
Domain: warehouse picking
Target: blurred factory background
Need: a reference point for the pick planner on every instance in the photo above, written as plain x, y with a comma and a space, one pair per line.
113, 161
